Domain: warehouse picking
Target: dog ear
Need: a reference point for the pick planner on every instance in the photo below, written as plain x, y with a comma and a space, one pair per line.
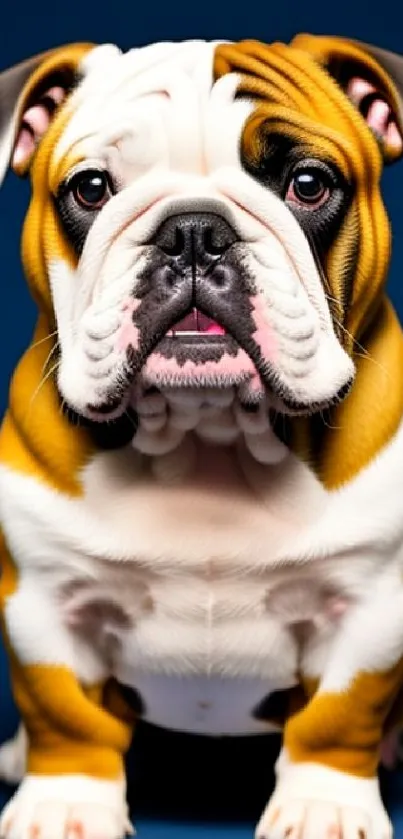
372, 78
30, 94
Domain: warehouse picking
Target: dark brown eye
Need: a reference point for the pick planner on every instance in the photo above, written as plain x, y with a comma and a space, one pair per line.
308, 187
91, 190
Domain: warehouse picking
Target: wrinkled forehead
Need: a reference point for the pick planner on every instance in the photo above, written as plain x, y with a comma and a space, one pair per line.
295, 95
140, 93
196, 103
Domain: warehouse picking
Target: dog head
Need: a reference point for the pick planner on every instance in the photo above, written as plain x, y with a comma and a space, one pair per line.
206, 219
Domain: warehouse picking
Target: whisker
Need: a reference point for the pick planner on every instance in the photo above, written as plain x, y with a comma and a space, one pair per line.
130, 418
42, 341
332, 299
41, 383
335, 304
328, 425
363, 351
49, 356
73, 418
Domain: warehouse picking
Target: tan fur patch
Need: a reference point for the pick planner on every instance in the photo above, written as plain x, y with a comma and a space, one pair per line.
296, 96
344, 730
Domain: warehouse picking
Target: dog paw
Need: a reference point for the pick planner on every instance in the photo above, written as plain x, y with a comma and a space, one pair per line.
66, 807
314, 802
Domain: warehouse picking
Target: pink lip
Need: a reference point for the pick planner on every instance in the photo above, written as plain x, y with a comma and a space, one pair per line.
196, 321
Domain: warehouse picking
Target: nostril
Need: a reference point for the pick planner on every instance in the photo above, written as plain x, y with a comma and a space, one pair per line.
177, 247
214, 244
194, 236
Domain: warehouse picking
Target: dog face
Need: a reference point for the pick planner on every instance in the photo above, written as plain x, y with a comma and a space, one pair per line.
207, 217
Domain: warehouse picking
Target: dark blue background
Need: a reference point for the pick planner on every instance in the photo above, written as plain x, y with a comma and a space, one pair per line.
168, 770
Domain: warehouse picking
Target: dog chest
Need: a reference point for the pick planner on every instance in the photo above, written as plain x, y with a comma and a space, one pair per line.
199, 621
201, 651
192, 590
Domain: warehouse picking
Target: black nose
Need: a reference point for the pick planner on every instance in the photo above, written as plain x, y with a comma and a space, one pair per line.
192, 238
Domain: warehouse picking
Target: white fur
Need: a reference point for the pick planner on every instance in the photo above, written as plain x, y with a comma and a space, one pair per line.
13, 756
265, 447
53, 803
377, 630
219, 706
215, 415
309, 800
35, 623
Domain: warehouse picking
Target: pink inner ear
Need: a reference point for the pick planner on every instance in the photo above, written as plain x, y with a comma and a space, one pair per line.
379, 116
34, 124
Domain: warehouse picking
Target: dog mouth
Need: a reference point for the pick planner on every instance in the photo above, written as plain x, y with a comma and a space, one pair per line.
194, 326
209, 347
198, 350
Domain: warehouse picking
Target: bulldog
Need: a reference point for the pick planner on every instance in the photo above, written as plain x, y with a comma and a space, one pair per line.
201, 461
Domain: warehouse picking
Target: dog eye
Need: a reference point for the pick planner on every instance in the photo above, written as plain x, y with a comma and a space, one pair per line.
309, 188
91, 190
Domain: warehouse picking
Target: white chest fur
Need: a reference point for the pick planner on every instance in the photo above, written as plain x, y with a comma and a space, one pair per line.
212, 632
205, 581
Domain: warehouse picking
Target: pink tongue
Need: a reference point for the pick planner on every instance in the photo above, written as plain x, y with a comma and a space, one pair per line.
197, 322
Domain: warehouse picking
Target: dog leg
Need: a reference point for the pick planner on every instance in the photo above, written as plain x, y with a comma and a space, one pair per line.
74, 786
327, 785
